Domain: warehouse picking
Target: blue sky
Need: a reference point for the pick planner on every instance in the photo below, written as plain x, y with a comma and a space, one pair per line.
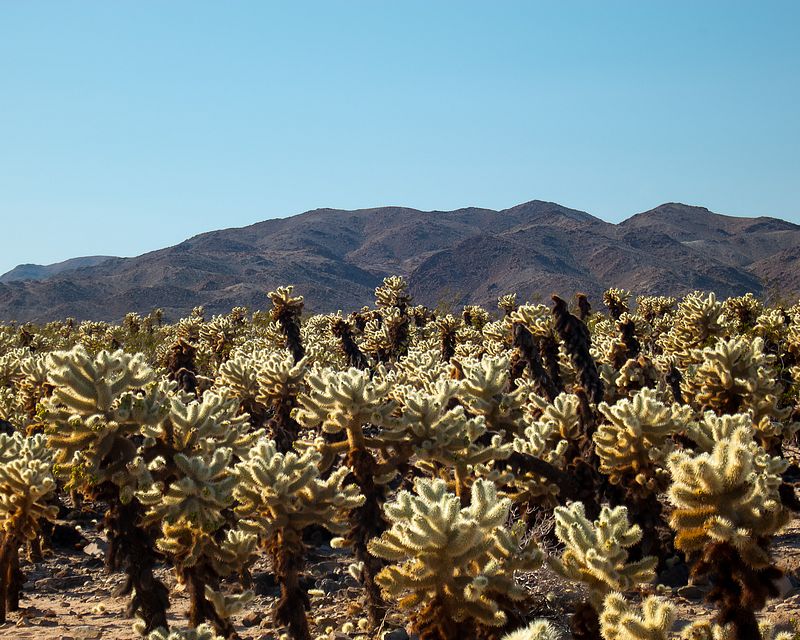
128, 126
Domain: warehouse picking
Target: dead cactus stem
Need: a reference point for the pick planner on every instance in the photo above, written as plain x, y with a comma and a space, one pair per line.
575, 335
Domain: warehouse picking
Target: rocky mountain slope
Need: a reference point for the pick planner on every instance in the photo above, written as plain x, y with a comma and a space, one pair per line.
45, 271
336, 258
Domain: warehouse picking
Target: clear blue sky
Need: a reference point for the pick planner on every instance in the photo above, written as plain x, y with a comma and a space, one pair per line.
128, 126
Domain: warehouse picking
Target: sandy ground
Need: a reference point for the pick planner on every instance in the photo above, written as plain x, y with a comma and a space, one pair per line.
68, 596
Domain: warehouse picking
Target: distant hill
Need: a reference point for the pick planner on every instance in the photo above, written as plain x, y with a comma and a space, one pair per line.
336, 259
45, 271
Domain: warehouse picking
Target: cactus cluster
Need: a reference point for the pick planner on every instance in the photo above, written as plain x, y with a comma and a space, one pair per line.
443, 457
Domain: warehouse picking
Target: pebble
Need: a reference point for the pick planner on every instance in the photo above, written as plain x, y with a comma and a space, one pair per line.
253, 618
397, 634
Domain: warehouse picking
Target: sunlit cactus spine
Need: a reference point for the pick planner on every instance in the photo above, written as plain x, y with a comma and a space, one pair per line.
347, 402
621, 620
596, 554
727, 509
279, 495
286, 311
26, 486
453, 567
97, 409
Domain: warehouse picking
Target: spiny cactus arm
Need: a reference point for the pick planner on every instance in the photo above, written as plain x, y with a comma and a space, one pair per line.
536, 630
622, 620
596, 551
203, 632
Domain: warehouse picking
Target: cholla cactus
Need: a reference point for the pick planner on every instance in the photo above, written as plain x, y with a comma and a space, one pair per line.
577, 342
727, 508
348, 401
536, 630
621, 620
447, 327
484, 391
596, 554
742, 311
443, 438
26, 486
634, 442
697, 323
736, 376
453, 566
286, 311
97, 407
191, 510
652, 307
238, 376
393, 293
279, 495
617, 301
203, 632
507, 303
343, 330
280, 380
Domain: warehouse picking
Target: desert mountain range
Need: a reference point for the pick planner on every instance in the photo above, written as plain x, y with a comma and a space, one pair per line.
336, 258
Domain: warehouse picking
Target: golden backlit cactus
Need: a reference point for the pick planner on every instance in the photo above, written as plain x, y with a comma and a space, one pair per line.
507, 303
26, 489
279, 495
191, 511
623, 620
340, 401
484, 391
286, 311
634, 440
727, 508
729, 495
697, 323
442, 437
736, 376
536, 630
617, 301
203, 632
452, 567
98, 407
596, 553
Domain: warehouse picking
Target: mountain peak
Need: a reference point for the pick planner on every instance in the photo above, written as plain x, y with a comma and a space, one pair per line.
336, 258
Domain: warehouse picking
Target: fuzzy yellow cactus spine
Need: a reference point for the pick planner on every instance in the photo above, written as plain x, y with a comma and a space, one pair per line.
98, 406
596, 554
727, 508
617, 301
346, 402
26, 484
622, 620
736, 376
442, 439
536, 630
485, 392
453, 567
280, 381
279, 495
698, 322
203, 632
390, 340
286, 311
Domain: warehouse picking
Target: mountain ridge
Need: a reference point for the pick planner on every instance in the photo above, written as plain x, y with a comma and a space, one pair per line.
336, 257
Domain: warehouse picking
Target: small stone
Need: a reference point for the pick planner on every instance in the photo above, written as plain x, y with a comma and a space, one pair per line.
87, 633
253, 618
691, 592
396, 634
784, 586
94, 549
